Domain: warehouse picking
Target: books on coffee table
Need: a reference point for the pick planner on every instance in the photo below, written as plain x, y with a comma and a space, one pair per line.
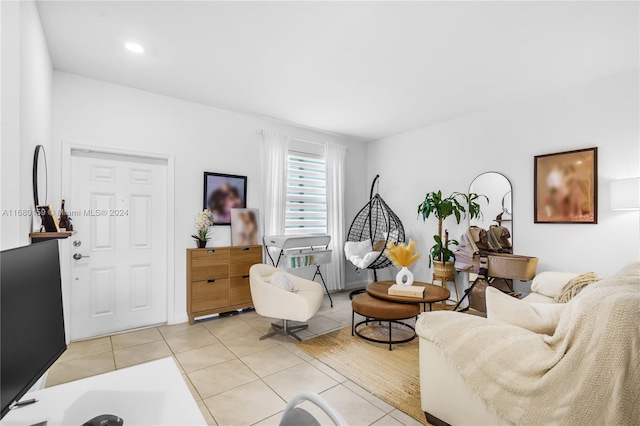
406, 290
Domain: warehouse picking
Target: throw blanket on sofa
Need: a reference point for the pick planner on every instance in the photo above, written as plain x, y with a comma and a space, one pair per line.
588, 372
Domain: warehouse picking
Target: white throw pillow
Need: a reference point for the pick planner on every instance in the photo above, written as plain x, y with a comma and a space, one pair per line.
632, 269
281, 280
357, 248
551, 283
369, 258
540, 318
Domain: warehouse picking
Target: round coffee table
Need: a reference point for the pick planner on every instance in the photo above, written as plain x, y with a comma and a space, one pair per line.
378, 310
432, 293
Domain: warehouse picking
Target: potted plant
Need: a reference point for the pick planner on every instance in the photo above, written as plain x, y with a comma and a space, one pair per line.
443, 207
203, 221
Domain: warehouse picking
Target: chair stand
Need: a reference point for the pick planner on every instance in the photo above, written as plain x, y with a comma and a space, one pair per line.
285, 329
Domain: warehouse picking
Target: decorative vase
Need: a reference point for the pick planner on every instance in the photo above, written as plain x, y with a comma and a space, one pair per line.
201, 243
404, 274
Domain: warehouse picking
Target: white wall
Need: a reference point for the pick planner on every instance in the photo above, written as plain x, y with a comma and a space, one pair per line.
91, 112
449, 155
26, 114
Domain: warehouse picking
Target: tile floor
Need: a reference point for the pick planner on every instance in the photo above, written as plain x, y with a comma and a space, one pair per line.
236, 378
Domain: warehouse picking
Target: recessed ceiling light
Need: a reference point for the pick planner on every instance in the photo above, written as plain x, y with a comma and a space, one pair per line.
134, 47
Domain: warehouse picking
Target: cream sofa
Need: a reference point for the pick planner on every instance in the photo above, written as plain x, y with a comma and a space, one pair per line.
448, 398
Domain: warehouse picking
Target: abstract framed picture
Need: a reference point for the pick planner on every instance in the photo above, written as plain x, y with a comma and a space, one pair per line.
566, 187
245, 227
222, 193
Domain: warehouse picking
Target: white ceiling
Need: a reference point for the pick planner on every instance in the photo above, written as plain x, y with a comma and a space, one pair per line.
363, 69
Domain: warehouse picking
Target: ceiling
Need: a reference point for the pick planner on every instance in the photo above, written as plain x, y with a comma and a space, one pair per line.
361, 69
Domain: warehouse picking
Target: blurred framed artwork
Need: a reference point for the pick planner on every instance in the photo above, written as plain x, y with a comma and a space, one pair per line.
222, 193
566, 187
245, 227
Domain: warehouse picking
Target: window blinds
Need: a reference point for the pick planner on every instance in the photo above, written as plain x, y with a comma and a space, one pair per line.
306, 211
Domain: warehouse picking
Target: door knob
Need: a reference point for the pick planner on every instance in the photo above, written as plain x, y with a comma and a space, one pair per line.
78, 256
77, 243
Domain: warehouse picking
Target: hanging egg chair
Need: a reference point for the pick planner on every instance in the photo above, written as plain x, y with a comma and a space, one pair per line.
373, 228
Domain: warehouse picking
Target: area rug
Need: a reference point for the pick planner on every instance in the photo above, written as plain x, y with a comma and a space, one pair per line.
392, 376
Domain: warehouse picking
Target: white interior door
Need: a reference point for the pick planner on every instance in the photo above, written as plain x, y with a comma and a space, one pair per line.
119, 266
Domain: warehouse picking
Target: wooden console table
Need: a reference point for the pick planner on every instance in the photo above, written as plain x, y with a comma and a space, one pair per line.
218, 279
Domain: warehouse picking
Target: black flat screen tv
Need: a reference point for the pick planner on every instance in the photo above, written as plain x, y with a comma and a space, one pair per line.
32, 334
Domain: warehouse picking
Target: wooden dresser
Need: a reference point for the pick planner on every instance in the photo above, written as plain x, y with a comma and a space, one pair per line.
218, 279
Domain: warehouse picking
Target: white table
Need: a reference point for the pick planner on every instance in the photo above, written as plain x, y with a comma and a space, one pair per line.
148, 394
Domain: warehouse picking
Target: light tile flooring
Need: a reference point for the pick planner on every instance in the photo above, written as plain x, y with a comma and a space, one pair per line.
236, 378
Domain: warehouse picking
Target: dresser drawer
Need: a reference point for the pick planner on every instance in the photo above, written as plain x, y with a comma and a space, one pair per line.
239, 291
209, 264
242, 258
209, 294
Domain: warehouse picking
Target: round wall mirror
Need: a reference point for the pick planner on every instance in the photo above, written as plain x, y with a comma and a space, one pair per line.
499, 211
39, 177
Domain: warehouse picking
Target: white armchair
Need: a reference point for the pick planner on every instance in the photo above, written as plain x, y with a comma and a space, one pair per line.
275, 302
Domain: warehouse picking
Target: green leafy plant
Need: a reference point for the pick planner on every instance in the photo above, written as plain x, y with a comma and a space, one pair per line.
443, 207
440, 250
471, 200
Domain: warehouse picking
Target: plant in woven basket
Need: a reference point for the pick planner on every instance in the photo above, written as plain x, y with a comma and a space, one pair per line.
443, 207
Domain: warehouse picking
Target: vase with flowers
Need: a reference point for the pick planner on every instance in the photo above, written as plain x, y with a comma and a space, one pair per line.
402, 256
203, 221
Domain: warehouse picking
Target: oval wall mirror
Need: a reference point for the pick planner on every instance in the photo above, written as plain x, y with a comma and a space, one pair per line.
39, 177
499, 211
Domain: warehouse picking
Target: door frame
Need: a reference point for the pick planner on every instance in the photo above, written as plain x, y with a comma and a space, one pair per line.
67, 148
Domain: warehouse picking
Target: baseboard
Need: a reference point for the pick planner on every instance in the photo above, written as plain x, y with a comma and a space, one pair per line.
178, 319
357, 284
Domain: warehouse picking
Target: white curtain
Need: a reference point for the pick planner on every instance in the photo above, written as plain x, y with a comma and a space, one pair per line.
275, 148
335, 161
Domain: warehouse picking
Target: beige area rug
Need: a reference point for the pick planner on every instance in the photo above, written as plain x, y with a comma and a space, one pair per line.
392, 376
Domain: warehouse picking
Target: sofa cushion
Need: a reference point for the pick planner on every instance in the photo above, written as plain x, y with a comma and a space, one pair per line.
631, 270
540, 318
575, 285
551, 283
534, 297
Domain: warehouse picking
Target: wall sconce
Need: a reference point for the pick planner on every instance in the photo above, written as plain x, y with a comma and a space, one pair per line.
625, 194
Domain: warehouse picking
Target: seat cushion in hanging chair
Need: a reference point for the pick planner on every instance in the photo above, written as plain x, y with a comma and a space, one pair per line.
360, 253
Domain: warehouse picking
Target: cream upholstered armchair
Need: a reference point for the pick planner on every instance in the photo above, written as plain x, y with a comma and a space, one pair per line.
275, 302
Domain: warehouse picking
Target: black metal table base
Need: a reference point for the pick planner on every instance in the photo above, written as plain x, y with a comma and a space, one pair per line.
354, 293
390, 341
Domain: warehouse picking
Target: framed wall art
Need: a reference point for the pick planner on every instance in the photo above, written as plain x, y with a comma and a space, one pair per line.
245, 227
222, 193
566, 187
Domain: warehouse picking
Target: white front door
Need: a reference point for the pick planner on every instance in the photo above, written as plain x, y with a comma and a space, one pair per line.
118, 206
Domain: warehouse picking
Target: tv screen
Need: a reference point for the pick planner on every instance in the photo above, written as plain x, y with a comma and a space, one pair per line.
32, 329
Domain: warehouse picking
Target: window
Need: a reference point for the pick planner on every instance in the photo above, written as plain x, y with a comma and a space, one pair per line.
306, 211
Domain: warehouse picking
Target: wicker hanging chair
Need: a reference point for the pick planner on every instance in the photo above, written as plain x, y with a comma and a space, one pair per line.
376, 222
